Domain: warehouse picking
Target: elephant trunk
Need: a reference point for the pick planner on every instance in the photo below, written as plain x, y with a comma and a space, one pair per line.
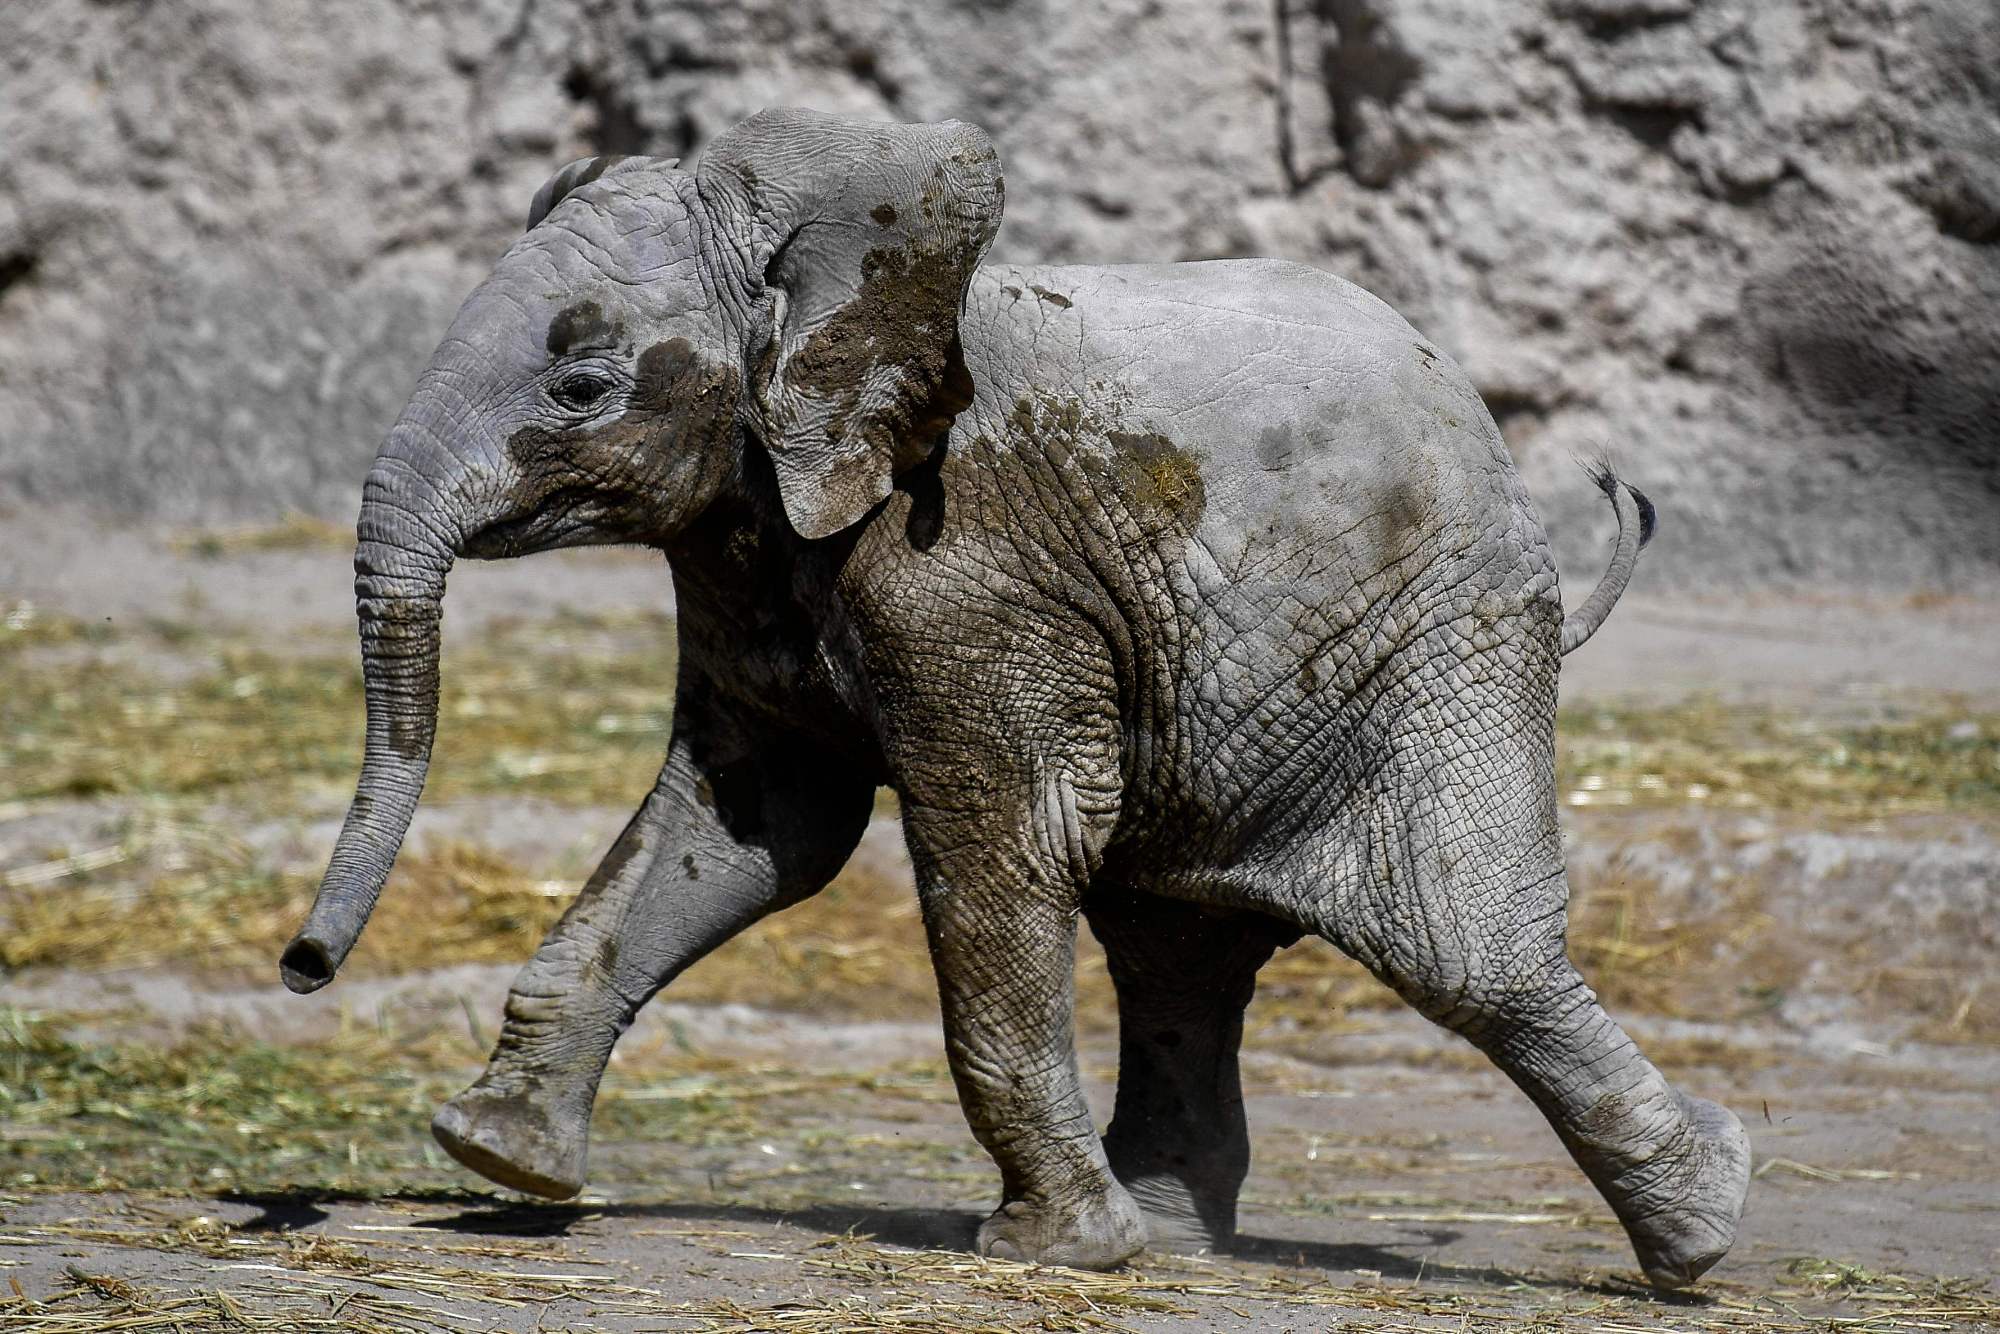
400, 564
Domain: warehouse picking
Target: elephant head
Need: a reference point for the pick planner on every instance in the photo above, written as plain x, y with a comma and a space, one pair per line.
652, 333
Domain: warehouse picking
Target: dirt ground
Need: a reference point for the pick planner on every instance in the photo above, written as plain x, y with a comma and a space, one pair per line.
778, 1146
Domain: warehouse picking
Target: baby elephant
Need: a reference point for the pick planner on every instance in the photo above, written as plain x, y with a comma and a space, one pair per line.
1201, 599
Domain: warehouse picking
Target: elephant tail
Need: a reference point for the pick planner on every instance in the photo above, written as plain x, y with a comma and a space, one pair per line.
1635, 529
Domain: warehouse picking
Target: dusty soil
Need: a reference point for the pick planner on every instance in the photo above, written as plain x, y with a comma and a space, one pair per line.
1828, 980
1391, 1174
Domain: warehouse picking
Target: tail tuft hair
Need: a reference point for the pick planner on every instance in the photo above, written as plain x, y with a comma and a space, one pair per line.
1649, 519
1637, 521
1607, 480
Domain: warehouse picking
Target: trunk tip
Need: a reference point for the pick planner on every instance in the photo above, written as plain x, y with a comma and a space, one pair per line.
305, 966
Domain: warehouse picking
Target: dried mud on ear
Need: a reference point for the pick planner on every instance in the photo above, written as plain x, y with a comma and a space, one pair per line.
905, 316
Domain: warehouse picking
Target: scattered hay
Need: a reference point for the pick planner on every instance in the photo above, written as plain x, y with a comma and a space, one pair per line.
853, 1283
347, 1116
568, 713
1638, 957
1676, 923
1913, 1303
578, 709
857, 949
98, 1304
318, 1253
179, 893
447, 902
933, 1292
1937, 755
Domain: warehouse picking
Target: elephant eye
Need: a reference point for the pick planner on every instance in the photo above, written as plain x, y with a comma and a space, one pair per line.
581, 391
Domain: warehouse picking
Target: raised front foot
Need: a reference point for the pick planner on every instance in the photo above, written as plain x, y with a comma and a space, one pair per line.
1683, 1218
515, 1142
1097, 1233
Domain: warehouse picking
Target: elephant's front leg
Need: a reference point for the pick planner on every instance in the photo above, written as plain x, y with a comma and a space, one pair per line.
1184, 975
1000, 905
737, 827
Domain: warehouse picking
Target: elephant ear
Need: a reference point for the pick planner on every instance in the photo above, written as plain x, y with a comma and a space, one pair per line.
864, 237
582, 172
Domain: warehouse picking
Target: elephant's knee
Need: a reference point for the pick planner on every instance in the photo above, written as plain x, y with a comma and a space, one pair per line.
1478, 977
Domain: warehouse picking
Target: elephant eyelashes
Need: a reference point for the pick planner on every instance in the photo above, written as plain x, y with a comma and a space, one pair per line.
580, 393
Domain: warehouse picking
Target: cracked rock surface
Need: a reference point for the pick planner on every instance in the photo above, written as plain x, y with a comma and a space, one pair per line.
1752, 249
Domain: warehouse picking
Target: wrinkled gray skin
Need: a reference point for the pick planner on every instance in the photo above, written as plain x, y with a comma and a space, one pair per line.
1201, 599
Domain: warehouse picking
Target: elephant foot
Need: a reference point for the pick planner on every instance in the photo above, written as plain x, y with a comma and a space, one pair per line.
1684, 1220
1180, 1220
1188, 1196
518, 1144
1099, 1233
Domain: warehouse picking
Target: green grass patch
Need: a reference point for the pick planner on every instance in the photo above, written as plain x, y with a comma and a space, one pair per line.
211, 1112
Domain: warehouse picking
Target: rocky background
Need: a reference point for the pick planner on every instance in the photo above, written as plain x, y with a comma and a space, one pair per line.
1749, 247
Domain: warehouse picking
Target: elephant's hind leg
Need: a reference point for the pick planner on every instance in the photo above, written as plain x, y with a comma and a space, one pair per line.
1462, 910
1178, 1139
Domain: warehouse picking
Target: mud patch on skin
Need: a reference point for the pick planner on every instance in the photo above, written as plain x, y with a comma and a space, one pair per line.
1404, 510
622, 852
1160, 475
1047, 420
667, 451
410, 738
884, 215
581, 324
401, 625
1403, 520
673, 372
1276, 450
1056, 299
1156, 483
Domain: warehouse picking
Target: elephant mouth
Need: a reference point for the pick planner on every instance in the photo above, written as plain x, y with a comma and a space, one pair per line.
568, 516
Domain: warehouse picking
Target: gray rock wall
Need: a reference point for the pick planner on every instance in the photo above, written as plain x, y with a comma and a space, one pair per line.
1749, 247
